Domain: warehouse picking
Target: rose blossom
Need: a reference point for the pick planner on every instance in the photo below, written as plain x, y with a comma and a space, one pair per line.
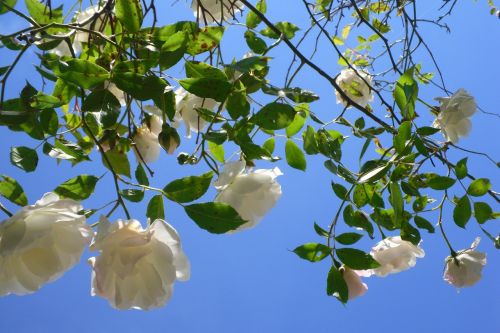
465, 269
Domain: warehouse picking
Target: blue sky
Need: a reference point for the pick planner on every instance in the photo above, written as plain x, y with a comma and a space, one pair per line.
250, 281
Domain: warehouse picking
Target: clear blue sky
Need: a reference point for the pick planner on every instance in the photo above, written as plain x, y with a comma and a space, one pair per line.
250, 281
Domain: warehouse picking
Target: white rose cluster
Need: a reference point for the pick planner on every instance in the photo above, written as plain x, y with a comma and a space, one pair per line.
251, 194
136, 268
146, 145
211, 11
454, 113
355, 84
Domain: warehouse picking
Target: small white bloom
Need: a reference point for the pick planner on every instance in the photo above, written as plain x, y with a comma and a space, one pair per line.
137, 267
394, 255
186, 105
465, 269
355, 286
146, 145
41, 242
355, 85
251, 194
210, 11
98, 24
454, 113
119, 94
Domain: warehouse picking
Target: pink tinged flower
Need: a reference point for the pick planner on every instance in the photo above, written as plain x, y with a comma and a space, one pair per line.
211, 11
146, 146
454, 113
41, 242
465, 269
355, 286
356, 85
394, 255
251, 194
137, 267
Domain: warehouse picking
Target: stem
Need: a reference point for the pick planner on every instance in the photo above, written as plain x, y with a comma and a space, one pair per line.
5, 210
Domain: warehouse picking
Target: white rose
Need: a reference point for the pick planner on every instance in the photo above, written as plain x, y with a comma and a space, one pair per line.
97, 24
394, 255
252, 194
186, 105
465, 269
355, 86
355, 286
146, 145
454, 113
137, 267
41, 242
210, 11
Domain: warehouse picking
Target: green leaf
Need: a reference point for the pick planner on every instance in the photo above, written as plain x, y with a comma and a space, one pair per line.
215, 217
10, 3
207, 88
105, 104
482, 212
441, 183
129, 13
189, 188
205, 40
348, 238
203, 70
288, 29
24, 158
141, 176
462, 212
406, 94
237, 104
274, 116
256, 44
173, 49
397, 202
253, 20
78, 188
479, 187
269, 145
156, 209
217, 151
461, 169
340, 191
426, 131
424, 224
49, 121
320, 231
298, 121
83, 73
313, 252
310, 142
140, 86
12, 191
41, 13
361, 195
294, 156
336, 285
404, 134
357, 219
119, 162
356, 259
132, 195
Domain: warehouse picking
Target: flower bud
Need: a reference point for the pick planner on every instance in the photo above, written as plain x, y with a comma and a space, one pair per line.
169, 139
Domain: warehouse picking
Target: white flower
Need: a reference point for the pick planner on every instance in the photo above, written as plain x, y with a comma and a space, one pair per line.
137, 267
146, 145
41, 242
454, 113
119, 94
394, 255
252, 194
355, 85
355, 286
186, 105
210, 11
96, 24
465, 269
